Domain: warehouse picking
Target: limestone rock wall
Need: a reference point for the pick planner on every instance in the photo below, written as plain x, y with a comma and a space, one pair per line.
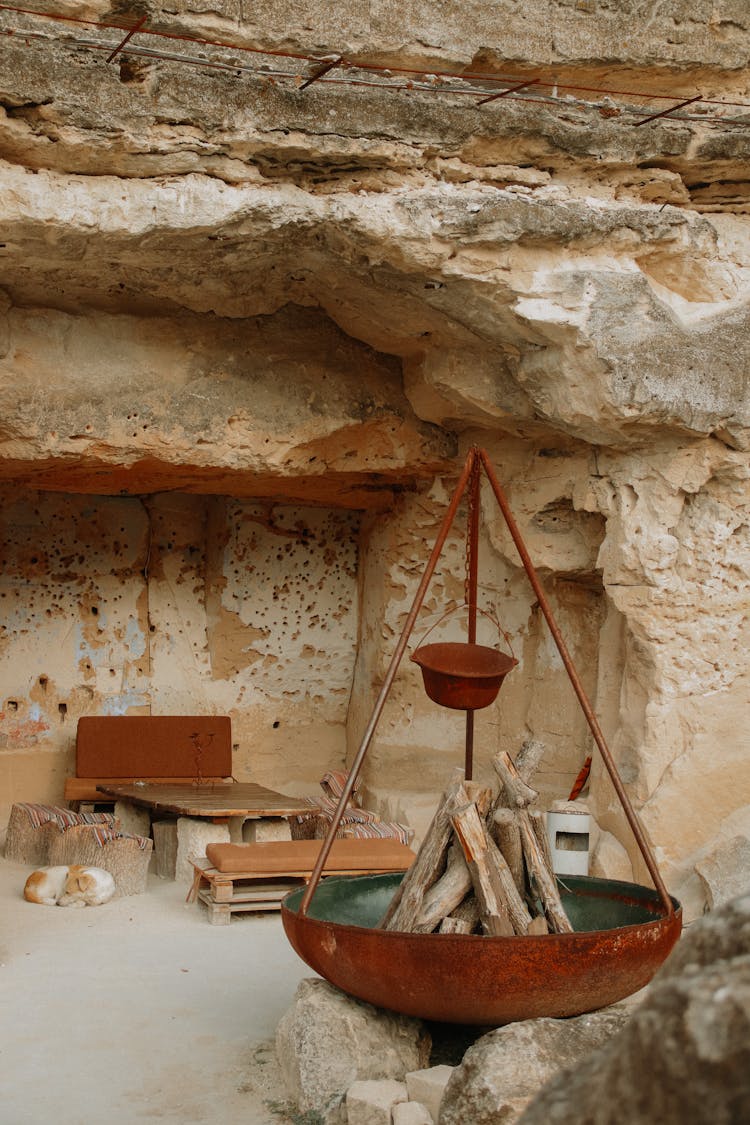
175, 604
249, 327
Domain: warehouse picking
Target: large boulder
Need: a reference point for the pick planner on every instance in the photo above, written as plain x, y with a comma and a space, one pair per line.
503, 1070
685, 1053
326, 1041
725, 870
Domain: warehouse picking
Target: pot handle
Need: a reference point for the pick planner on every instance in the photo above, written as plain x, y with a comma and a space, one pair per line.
467, 605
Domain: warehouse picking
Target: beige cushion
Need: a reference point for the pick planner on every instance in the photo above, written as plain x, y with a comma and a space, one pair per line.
297, 857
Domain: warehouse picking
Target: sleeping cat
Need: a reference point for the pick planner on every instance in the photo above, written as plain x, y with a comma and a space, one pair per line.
69, 886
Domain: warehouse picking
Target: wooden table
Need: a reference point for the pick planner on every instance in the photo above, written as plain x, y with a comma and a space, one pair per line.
216, 802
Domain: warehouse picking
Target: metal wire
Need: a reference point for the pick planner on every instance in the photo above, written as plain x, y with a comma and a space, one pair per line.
326, 71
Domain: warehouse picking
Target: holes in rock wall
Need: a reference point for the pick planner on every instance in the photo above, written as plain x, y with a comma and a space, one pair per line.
291, 577
71, 581
74, 581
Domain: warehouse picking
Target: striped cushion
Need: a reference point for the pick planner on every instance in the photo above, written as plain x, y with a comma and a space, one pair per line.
332, 783
352, 813
64, 818
383, 830
104, 835
356, 822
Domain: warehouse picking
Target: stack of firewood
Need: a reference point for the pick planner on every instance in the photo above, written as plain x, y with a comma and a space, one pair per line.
484, 865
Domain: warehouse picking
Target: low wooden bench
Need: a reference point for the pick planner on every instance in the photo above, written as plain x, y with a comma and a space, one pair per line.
255, 877
114, 750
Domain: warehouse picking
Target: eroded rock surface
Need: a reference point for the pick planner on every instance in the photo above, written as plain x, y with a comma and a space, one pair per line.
327, 1041
505, 1069
685, 1053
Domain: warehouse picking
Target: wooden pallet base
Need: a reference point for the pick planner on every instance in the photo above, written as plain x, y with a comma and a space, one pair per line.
228, 894
262, 899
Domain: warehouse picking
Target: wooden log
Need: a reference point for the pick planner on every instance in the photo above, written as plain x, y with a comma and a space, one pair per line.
427, 868
32, 828
528, 759
544, 879
450, 925
468, 912
539, 824
450, 890
27, 842
503, 827
479, 795
513, 900
122, 856
516, 794
473, 838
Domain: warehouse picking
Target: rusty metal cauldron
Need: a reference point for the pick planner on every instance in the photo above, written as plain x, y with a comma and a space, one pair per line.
462, 675
622, 931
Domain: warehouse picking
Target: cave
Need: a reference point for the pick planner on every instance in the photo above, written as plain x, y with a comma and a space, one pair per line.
250, 325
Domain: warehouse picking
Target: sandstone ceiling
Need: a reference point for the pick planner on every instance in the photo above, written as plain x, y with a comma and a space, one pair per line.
527, 267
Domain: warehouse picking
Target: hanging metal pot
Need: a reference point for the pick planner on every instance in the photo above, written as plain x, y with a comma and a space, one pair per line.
462, 675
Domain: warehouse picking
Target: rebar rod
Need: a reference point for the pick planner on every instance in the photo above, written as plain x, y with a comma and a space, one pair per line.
578, 687
472, 573
388, 681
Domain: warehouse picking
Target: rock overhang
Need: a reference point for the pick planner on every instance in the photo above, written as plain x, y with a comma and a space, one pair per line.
525, 237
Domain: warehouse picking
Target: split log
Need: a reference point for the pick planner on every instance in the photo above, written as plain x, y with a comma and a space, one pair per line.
516, 907
539, 824
503, 827
473, 838
515, 793
479, 795
543, 877
467, 913
450, 925
528, 759
449, 891
507, 834
426, 869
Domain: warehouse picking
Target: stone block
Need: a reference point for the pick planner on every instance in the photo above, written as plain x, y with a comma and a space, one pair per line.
372, 1103
266, 828
326, 1041
428, 1086
165, 848
503, 1071
411, 1113
192, 837
133, 820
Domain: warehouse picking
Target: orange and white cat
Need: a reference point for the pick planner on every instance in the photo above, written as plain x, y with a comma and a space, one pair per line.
69, 886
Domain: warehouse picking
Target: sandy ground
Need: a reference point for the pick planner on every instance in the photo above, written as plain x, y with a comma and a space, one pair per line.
139, 1010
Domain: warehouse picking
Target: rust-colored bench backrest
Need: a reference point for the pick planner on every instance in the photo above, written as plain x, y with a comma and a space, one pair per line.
142, 746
